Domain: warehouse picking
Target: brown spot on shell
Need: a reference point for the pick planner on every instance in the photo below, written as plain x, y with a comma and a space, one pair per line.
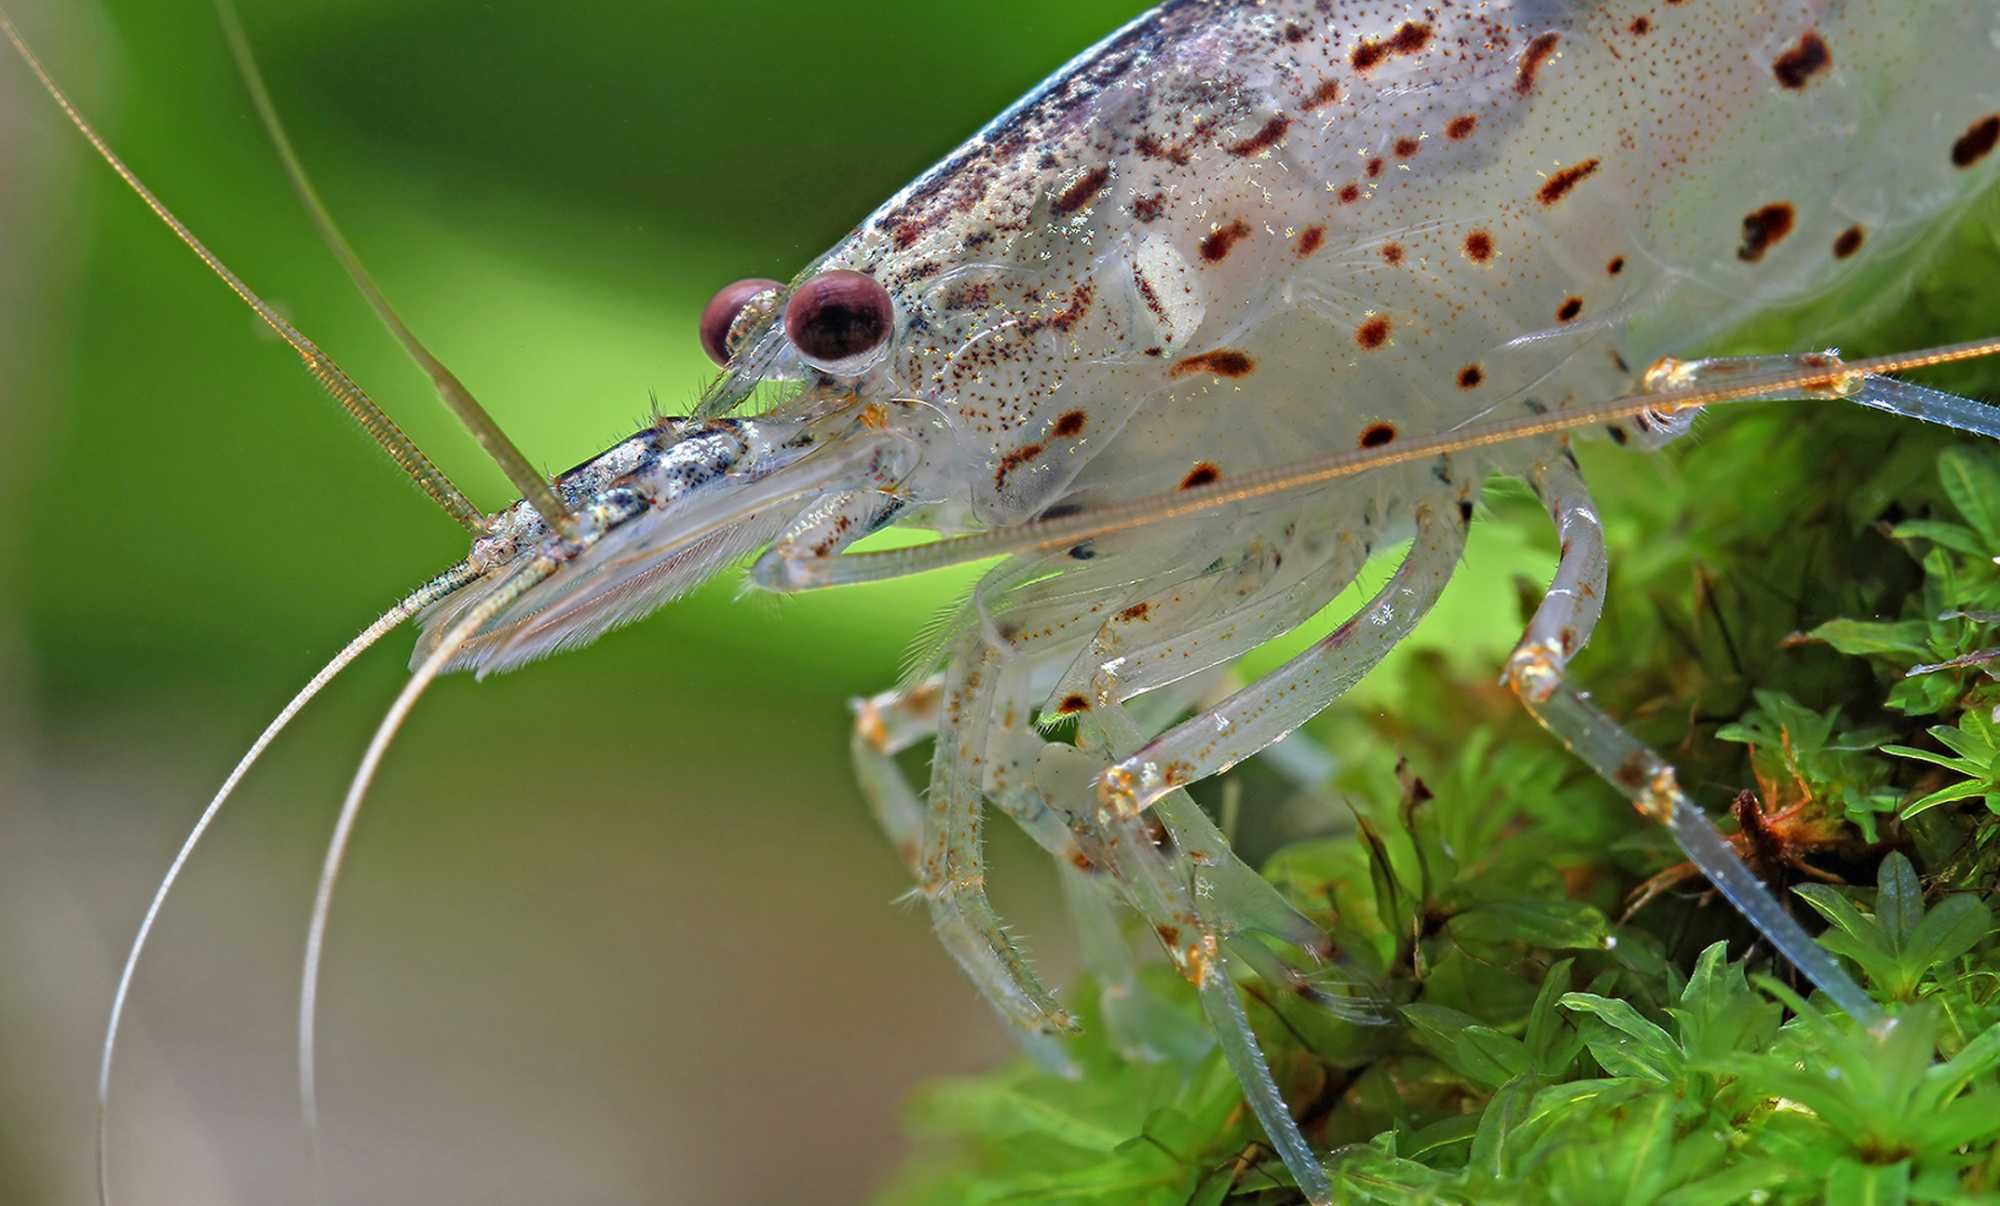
1311, 239
1070, 425
1368, 55
1411, 37
1222, 362
1848, 242
1806, 58
1219, 241
1264, 139
1641, 26
1479, 247
1080, 194
1558, 185
1977, 142
1324, 95
1470, 376
1537, 54
1349, 194
1375, 167
1378, 434
1201, 475
1615, 265
1392, 253
1460, 128
1149, 209
1764, 227
1407, 147
1072, 705
1014, 460
1138, 611
1373, 333
1571, 307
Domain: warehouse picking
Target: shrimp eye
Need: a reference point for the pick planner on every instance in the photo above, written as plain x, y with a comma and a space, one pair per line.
838, 318
722, 311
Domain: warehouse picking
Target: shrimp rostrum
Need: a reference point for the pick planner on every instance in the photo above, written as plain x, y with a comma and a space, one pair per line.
1241, 296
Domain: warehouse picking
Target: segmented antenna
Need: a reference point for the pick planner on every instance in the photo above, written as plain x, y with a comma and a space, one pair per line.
533, 485
362, 409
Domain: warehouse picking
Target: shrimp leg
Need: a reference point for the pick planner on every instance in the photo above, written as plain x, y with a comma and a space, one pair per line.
1273, 707
1536, 673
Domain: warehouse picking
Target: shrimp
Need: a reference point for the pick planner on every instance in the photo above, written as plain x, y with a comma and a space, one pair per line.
1242, 295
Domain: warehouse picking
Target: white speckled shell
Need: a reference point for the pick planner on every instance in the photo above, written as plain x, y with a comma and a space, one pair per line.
1236, 233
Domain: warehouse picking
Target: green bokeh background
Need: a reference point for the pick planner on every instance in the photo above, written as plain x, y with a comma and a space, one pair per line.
617, 928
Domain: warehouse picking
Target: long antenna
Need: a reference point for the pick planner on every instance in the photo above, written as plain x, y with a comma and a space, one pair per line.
379, 426
533, 485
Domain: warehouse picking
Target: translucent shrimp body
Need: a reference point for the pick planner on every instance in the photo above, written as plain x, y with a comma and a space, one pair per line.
1236, 235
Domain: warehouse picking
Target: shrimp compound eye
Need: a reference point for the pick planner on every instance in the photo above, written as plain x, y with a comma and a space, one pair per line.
718, 318
838, 319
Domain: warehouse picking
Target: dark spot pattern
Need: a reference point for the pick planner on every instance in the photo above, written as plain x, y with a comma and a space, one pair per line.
1373, 333
1571, 307
1272, 133
1848, 242
1479, 247
1201, 475
1558, 185
1070, 425
1311, 239
1763, 229
1538, 53
1977, 142
1471, 376
1219, 241
1378, 434
1460, 128
1080, 194
1223, 362
1805, 59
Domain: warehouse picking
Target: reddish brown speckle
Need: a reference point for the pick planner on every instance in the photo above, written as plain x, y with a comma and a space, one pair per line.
1072, 705
1460, 128
1149, 209
1350, 193
1324, 95
1138, 611
1470, 376
1264, 139
1537, 54
1392, 253
1571, 307
1218, 243
1411, 38
1374, 168
1201, 475
1080, 194
1977, 142
1557, 186
1641, 26
1311, 239
1407, 147
1223, 362
1615, 266
1070, 425
1479, 247
1373, 333
1368, 55
1762, 228
1014, 460
1378, 434
1848, 242
1805, 59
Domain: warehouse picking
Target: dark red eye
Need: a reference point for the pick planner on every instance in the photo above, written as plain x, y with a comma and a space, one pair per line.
721, 313
838, 317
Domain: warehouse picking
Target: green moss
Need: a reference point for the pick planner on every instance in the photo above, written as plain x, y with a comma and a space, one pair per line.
1775, 582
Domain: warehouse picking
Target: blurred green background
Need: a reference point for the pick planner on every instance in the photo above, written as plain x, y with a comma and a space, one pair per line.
616, 928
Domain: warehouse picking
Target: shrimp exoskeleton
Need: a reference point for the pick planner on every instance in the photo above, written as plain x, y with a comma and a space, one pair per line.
1243, 294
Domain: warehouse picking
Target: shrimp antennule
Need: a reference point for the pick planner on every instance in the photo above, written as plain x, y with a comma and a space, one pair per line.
516, 582
432, 591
